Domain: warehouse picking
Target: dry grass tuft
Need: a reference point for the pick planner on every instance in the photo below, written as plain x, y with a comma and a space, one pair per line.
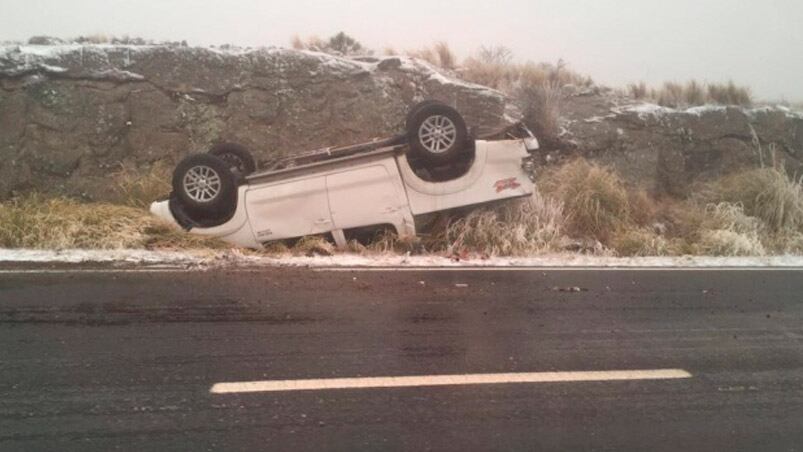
766, 193
727, 231
387, 241
439, 55
538, 88
638, 91
643, 208
693, 93
338, 44
730, 94
542, 108
314, 245
671, 95
595, 198
643, 242
59, 223
139, 188
516, 228
446, 58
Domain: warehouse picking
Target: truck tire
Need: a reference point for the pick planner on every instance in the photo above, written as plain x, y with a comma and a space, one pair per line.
437, 133
237, 156
205, 187
417, 108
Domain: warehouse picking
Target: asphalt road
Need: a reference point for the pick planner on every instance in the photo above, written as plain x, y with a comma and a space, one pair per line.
118, 360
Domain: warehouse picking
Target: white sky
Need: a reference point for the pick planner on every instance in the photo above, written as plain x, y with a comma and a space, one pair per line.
754, 42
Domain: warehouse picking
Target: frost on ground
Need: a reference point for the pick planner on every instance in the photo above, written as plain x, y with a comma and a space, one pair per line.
237, 259
649, 110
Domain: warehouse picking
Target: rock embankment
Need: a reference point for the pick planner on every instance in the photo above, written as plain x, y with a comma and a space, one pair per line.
667, 150
70, 114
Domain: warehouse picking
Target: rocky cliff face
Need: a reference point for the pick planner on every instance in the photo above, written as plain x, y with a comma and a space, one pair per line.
71, 114
667, 150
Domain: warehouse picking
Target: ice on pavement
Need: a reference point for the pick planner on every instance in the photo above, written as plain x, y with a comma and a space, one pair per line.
236, 258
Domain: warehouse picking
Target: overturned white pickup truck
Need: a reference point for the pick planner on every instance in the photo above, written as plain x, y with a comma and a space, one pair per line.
435, 166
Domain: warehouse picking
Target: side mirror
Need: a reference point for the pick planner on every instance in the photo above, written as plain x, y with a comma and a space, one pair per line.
531, 143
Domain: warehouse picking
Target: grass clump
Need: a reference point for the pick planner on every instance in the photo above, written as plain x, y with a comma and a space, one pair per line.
439, 55
640, 241
595, 199
766, 193
728, 231
730, 94
339, 44
538, 88
60, 223
516, 228
137, 188
314, 245
692, 94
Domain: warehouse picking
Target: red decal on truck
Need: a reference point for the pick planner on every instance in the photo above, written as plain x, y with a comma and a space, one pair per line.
507, 184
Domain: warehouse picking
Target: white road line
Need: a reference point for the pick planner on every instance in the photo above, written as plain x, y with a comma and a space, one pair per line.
48, 271
445, 380
547, 269
393, 269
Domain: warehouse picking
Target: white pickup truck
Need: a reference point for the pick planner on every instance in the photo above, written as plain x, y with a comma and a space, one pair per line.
436, 166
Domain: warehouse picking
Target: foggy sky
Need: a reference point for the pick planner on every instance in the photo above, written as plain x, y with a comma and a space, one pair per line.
754, 42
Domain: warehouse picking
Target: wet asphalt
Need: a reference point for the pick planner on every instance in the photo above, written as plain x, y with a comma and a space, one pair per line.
107, 360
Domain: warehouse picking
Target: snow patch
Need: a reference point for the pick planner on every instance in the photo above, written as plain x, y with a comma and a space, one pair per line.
116, 74
703, 109
235, 258
647, 110
99, 256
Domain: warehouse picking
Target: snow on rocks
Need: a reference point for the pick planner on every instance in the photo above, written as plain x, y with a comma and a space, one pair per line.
169, 99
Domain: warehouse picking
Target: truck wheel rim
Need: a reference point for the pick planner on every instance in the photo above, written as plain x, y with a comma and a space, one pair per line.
437, 134
202, 183
235, 162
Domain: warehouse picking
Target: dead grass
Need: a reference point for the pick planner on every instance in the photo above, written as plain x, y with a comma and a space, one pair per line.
644, 242
387, 241
59, 223
730, 94
339, 44
753, 213
446, 58
692, 93
537, 88
314, 43
140, 187
439, 54
638, 91
595, 199
516, 228
767, 193
728, 231
541, 105
313, 245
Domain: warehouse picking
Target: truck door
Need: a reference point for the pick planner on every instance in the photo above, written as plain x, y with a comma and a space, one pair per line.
289, 209
365, 196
